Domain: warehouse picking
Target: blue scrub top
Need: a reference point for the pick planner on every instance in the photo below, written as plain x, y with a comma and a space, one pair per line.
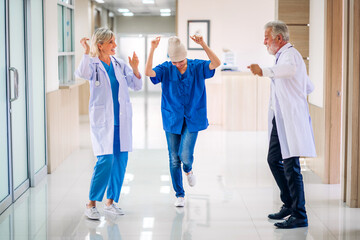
114, 89
183, 95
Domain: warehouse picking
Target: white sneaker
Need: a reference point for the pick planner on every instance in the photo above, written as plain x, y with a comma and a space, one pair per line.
92, 213
180, 202
113, 209
191, 179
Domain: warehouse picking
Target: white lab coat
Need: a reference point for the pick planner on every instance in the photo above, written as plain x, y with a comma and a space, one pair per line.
101, 112
290, 86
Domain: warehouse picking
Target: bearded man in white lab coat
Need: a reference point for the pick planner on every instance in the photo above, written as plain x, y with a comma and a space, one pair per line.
290, 129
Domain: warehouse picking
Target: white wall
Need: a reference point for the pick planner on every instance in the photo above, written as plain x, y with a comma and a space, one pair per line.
51, 46
236, 25
144, 25
317, 51
82, 26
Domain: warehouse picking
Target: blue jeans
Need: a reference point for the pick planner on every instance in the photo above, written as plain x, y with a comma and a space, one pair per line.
109, 172
181, 150
287, 174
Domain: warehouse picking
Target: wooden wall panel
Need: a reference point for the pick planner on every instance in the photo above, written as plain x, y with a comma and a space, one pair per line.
333, 89
84, 97
355, 188
62, 124
351, 183
294, 11
317, 164
299, 37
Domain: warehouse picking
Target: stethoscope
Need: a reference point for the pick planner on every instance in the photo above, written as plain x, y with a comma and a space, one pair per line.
97, 79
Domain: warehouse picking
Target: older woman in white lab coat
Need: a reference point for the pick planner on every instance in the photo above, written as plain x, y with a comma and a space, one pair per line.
110, 115
290, 129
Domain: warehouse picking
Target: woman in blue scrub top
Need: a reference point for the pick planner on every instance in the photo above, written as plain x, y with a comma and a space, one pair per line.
183, 104
110, 116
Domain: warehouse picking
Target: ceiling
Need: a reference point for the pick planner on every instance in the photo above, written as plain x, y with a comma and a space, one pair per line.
139, 8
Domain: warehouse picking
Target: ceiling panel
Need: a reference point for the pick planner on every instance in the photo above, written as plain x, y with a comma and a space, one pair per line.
139, 8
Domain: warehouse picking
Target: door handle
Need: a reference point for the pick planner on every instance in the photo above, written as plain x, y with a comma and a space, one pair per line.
16, 84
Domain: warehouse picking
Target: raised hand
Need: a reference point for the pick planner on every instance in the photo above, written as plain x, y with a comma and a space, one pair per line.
155, 43
85, 45
198, 39
134, 63
215, 61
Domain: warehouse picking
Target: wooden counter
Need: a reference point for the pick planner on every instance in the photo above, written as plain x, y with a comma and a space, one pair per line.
62, 123
245, 101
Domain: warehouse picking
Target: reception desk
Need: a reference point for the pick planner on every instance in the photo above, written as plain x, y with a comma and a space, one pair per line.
245, 99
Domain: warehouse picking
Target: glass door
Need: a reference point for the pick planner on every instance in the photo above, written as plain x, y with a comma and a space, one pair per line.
4, 158
17, 84
36, 90
22, 98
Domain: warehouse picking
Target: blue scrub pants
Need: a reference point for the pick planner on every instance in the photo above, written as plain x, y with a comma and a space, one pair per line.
287, 174
181, 150
109, 172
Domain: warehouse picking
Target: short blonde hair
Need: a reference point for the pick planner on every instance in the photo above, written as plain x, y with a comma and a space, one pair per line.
101, 35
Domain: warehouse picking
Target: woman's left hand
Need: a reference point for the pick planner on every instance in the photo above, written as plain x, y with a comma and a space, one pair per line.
198, 39
134, 61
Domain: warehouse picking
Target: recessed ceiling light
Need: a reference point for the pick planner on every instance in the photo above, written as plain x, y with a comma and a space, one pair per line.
123, 10
100, 1
165, 14
165, 10
148, 1
128, 14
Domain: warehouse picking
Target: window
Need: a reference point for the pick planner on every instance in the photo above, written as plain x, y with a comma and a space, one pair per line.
66, 56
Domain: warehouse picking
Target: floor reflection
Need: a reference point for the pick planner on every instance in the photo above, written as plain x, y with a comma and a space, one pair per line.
177, 226
291, 234
27, 217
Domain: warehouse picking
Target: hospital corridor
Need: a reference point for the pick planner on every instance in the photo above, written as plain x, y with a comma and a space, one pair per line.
179, 120
234, 193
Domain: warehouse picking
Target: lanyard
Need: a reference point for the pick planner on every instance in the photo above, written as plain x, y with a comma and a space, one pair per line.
280, 54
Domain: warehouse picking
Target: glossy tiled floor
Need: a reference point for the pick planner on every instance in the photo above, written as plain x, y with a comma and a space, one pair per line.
231, 200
